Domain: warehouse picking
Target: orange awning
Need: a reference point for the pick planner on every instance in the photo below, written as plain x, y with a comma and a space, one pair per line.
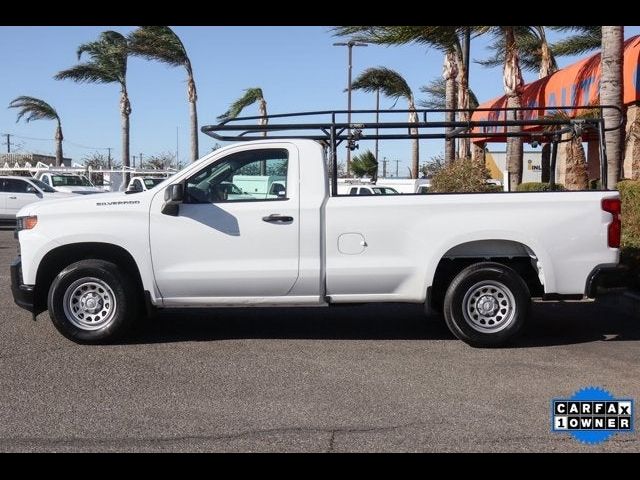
577, 84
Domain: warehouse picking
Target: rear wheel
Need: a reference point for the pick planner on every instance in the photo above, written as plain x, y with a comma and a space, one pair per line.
91, 301
487, 304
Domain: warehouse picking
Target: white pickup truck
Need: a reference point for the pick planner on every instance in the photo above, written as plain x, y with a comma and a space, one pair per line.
69, 182
479, 258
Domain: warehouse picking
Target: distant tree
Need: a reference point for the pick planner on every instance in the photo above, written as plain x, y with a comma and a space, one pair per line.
31, 108
98, 160
364, 165
433, 166
160, 161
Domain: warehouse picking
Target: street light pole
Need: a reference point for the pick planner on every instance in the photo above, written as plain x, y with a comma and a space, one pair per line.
350, 44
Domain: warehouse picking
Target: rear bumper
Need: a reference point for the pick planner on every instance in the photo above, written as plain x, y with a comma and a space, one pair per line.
22, 294
605, 279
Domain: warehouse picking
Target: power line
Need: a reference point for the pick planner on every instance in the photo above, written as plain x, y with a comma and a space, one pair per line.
85, 146
52, 140
27, 138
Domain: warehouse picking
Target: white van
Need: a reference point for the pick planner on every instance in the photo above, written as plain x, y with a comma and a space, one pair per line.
261, 186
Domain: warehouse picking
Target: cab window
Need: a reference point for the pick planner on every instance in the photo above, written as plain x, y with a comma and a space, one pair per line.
249, 176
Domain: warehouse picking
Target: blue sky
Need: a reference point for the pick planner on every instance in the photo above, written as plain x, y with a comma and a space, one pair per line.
297, 68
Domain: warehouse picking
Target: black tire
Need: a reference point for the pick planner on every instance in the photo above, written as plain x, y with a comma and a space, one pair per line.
101, 281
487, 305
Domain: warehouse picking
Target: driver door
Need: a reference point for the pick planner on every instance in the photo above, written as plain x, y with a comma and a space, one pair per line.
227, 243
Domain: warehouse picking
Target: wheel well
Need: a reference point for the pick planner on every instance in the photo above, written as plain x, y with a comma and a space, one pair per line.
57, 259
509, 253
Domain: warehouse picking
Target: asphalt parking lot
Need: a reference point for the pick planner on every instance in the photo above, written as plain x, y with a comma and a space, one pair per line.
367, 378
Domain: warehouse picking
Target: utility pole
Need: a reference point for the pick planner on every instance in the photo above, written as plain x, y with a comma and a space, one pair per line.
177, 158
141, 159
350, 44
109, 158
384, 167
397, 163
8, 142
134, 161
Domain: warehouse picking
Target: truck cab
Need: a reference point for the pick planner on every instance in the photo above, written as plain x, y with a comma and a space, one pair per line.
68, 182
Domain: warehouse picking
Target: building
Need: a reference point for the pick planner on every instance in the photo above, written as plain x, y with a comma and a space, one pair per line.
496, 163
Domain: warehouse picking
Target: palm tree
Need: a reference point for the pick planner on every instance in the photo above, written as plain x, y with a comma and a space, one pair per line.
32, 108
513, 87
365, 165
437, 97
107, 64
611, 94
251, 96
536, 54
448, 39
505, 39
391, 84
162, 44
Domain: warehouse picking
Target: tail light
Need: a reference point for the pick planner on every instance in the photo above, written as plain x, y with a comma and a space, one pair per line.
614, 229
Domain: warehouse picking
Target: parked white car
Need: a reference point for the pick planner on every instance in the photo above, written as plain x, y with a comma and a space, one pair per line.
69, 182
371, 190
477, 257
16, 192
142, 184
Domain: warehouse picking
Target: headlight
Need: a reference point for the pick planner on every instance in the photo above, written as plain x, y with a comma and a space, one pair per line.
26, 223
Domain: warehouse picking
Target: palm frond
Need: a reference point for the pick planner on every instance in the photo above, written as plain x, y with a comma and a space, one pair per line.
584, 40
436, 92
444, 38
251, 95
107, 61
31, 108
159, 43
388, 81
86, 73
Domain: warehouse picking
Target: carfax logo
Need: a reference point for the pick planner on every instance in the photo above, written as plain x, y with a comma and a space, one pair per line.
592, 415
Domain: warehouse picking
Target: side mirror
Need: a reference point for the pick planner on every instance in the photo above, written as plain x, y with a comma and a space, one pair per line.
281, 193
174, 193
173, 197
31, 189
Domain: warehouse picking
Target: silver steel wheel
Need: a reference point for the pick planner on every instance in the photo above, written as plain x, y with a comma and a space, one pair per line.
89, 303
489, 306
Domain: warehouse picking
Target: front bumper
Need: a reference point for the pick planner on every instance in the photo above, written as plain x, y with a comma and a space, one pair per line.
22, 294
605, 279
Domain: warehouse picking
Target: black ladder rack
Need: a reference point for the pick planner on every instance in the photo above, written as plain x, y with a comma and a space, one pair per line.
542, 126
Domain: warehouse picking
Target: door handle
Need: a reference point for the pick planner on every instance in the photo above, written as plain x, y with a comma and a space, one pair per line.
12, 198
275, 218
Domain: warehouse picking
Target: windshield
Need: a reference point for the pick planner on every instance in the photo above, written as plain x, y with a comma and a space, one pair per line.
152, 182
42, 186
70, 181
384, 190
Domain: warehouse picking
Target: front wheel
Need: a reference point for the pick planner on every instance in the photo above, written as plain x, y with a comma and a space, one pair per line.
487, 304
91, 301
